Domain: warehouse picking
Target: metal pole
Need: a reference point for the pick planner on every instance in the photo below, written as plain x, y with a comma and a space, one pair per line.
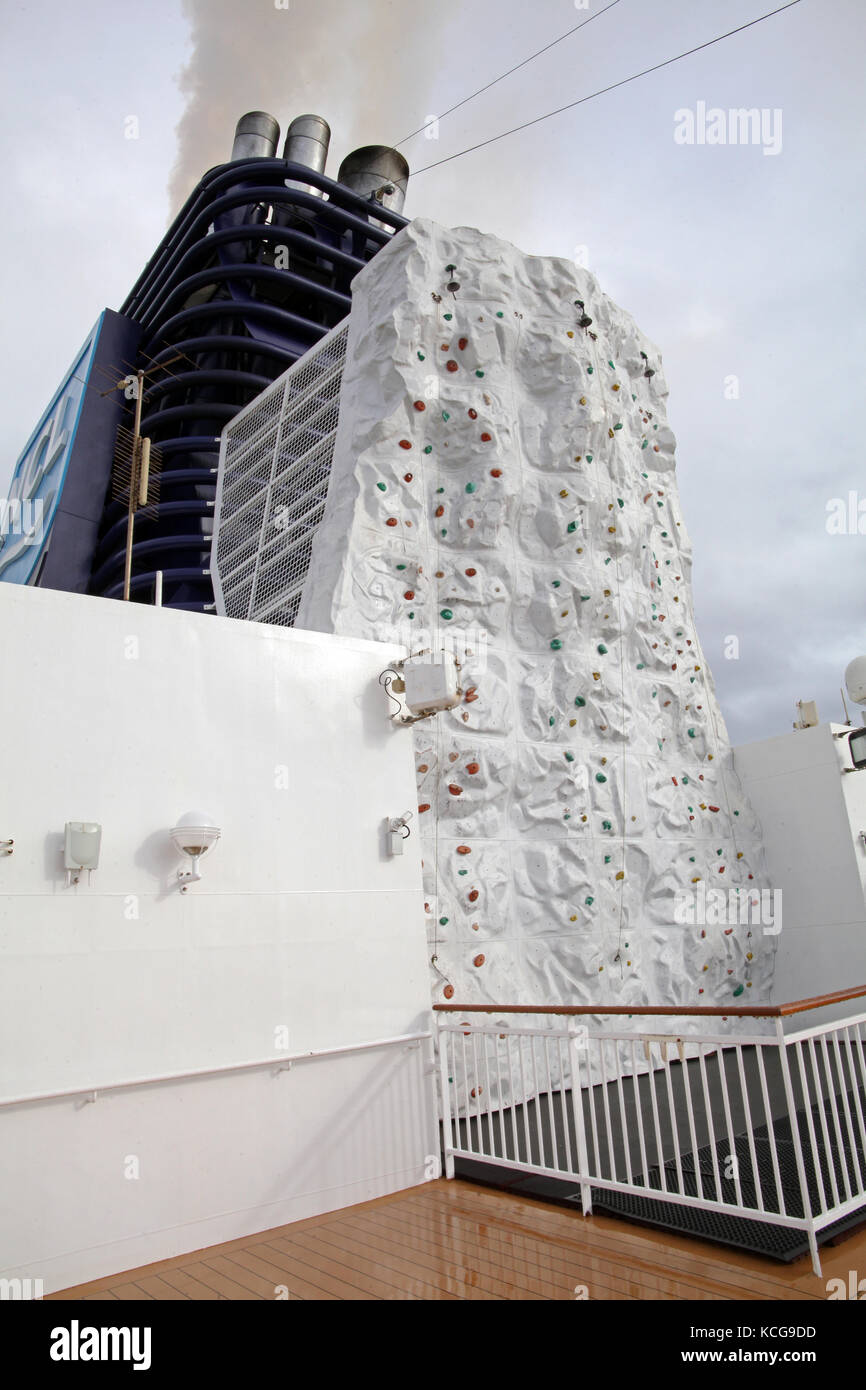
133, 478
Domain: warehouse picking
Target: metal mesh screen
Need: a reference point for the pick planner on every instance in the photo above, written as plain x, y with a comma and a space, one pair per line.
275, 464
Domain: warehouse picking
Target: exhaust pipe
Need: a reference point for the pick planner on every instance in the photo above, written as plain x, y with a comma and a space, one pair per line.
377, 170
307, 141
256, 136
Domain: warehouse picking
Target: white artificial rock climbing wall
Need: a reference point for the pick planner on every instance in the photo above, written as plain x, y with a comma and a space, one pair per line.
504, 482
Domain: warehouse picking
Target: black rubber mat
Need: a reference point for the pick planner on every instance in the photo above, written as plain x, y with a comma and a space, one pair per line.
756, 1170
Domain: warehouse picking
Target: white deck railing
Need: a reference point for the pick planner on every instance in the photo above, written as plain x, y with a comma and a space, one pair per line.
768, 1127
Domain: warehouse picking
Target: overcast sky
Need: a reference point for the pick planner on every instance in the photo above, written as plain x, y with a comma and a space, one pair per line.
735, 262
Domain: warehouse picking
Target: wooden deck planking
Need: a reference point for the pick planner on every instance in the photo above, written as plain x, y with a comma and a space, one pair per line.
459, 1240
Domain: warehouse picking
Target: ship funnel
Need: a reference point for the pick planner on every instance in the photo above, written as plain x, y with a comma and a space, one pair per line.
307, 140
256, 136
377, 169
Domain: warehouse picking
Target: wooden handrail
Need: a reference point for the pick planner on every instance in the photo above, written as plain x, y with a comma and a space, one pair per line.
799, 1006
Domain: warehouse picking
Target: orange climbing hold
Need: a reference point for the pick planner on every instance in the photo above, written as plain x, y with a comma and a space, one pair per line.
463, 849
454, 789
473, 896
405, 444
472, 768
425, 806
448, 991
478, 960
392, 521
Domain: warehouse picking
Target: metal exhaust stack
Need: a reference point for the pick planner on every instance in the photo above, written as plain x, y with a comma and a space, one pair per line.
307, 141
256, 136
377, 169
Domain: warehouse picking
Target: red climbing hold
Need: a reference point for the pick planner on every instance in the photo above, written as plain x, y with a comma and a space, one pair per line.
419, 405
495, 472
472, 573
454, 789
473, 896
405, 444
407, 477
463, 849
425, 806
486, 438
448, 991
462, 343
392, 521
451, 365
472, 767
479, 960
410, 593
473, 414
439, 511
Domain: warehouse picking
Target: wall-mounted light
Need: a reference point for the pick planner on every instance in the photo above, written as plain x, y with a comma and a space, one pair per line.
82, 839
194, 834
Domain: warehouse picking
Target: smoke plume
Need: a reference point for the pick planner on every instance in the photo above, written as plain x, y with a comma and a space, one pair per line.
348, 62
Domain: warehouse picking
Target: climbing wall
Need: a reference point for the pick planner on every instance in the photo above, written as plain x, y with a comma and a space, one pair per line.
503, 483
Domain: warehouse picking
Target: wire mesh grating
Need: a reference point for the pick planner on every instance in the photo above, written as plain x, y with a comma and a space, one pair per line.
275, 468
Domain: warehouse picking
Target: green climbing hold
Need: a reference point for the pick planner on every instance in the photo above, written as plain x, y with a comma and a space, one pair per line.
619, 426
589, 901
383, 487
579, 701
428, 448
446, 614
443, 921
470, 487
566, 815
584, 598
736, 813
463, 872
571, 527
600, 777
401, 567
606, 825
439, 489
421, 357
690, 732
640, 665
643, 446
610, 364
607, 861
555, 645
448, 316
589, 458
589, 369
620, 501
445, 415
411, 615
601, 649
551, 721
685, 781
443, 532
738, 991
569, 757
479, 373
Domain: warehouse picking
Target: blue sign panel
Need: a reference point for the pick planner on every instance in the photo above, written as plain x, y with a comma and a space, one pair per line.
28, 511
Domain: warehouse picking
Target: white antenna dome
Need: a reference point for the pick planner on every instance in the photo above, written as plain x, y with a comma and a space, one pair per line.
855, 680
